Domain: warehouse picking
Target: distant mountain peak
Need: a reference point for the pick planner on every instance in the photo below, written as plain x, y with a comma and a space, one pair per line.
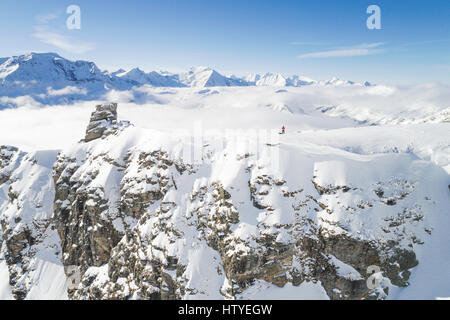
33, 73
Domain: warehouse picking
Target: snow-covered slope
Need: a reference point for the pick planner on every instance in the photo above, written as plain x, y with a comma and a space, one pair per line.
278, 80
47, 68
49, 79
270, 79
260, 220
30, 250
138, 211
207, 77
153, 78
199, 77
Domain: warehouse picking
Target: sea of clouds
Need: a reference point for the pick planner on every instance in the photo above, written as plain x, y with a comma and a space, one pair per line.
36, 126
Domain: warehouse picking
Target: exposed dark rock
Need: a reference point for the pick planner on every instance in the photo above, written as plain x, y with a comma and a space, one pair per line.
102, 119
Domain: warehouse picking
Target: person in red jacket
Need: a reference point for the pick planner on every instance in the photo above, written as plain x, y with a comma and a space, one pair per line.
283, 130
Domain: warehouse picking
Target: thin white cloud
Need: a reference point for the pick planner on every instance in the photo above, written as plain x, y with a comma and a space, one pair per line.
46, 18
61, 41
359, 50
337, 53
66, 91
306, 43
47, 31
370, 45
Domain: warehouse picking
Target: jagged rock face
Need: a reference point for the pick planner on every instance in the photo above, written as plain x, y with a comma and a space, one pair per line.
148, 177
165, 229
87, 211
28, 239
7, 155
144, 266
140, 222
88, 223
102, 120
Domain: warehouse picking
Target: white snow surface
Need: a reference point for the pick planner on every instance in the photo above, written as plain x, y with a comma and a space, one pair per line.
265, 291
418, 184
338, 133
5, 289
31, 180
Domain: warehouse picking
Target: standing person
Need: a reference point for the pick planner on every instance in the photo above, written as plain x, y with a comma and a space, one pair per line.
283, 130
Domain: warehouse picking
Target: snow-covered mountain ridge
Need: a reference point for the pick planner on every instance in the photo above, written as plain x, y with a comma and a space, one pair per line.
138, 218
50, 79
38, 81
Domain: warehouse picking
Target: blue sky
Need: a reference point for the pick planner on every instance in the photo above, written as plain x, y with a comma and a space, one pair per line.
319, 39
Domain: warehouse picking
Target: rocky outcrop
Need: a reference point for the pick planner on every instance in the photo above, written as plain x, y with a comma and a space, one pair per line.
7, 156
103, 122
146, 179
88, 214
92, 217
